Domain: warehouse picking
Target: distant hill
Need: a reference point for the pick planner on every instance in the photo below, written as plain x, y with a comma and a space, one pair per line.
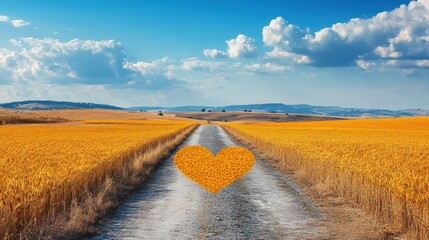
267, 107
55, 105
297, 109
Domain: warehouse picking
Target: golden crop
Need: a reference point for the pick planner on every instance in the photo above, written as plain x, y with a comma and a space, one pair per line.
46, 165
214, 173
388, 157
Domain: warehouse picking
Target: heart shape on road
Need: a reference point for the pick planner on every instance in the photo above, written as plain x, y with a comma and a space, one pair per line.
214, 173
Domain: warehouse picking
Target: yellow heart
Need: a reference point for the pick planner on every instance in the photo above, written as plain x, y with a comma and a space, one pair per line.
214, 173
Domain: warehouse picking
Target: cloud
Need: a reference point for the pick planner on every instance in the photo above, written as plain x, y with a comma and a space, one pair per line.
401, 34
240, 47
78, 61
194, 64
148, 68
214, 53
156, 74
4, 18
266, 68
19, 23
406, 64
309, 75
91, 62
222, 69
365, 65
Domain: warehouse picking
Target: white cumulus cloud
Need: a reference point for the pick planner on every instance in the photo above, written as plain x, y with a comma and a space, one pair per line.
148, 68
19, 23
401, 34
266, 68
43, 59
240, 47
159, 73
195, 64
4, 18
78, 61
214, 53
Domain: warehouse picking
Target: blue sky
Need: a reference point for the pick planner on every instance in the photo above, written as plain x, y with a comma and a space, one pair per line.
372, 54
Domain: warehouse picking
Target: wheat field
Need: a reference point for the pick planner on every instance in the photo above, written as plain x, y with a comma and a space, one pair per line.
380, 164
45, 168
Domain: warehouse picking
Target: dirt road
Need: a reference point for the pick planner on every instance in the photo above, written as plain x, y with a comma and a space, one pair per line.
261, 205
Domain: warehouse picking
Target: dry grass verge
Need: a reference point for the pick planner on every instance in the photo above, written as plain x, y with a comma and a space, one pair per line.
102, 195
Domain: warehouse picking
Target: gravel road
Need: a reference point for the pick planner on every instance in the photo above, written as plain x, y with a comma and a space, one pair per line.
261, 205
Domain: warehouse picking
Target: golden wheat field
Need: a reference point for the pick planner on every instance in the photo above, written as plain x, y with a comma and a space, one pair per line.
381, 164
43, 168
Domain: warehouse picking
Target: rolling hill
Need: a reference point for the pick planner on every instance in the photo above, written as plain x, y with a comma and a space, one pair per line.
297, 109
267, 107
55, 105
